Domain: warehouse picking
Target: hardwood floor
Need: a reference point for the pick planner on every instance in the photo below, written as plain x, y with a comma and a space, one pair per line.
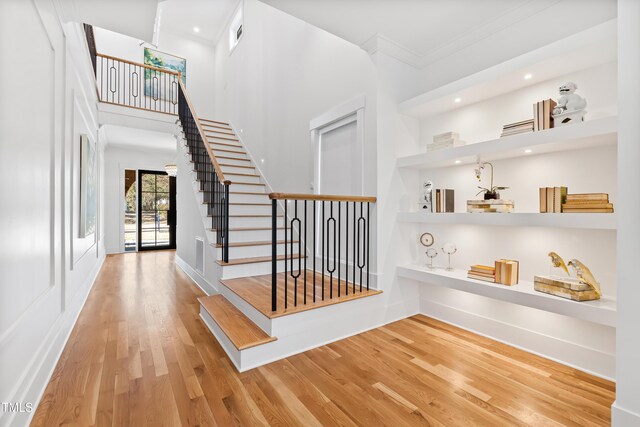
139, 355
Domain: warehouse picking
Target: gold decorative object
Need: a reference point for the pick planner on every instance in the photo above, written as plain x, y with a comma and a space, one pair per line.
580, 286
558, 262
585, 276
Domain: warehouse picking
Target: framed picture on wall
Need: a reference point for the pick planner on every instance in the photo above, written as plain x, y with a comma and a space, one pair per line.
88, 187
152, 80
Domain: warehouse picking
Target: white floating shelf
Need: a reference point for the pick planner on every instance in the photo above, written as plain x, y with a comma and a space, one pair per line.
597, 221
583, 50
594, 133
602, 311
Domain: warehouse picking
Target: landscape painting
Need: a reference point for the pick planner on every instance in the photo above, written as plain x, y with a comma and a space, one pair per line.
88, 187
154, 85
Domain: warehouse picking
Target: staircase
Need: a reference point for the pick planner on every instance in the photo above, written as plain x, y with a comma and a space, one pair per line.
288, 263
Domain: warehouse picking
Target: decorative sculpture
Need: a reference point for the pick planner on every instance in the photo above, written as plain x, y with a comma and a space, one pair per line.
426, 201
558, 262
579, 286
585, 276
570, 107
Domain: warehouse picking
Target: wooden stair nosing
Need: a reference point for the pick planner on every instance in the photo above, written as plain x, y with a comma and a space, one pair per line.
225, 144
255, 260
217, 131
250, 229
249, 193
252, 216
246, 183
228, 151
259, 243
232, 158
238, 328
243, 204
221, 137
213, 121
222, 165
243, 174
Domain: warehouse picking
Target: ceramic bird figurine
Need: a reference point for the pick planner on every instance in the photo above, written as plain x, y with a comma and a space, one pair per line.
558, 262
585, 276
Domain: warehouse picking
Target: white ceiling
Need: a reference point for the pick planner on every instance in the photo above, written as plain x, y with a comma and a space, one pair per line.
208, 15
429, 29
138, 138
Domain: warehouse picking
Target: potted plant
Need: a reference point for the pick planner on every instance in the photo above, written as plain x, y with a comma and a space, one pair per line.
490, 193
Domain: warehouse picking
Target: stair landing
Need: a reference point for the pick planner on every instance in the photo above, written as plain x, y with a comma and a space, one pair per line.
256, 291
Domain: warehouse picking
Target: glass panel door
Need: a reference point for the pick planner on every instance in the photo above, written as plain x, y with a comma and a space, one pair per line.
131, 207
156, 211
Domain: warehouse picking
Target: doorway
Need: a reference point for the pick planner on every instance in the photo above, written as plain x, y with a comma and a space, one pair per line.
130, 210
156, 211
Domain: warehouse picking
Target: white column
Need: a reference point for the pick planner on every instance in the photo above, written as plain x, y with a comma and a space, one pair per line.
626, 408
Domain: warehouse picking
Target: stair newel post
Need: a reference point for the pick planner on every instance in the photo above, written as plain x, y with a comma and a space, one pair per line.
225, 245
274, 254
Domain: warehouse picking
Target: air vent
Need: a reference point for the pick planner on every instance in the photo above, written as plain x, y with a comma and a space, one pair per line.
199, 255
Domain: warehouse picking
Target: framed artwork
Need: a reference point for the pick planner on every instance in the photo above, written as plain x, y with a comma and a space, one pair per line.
153, 83
88, 187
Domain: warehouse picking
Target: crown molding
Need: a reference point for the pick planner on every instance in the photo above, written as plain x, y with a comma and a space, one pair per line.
382, 44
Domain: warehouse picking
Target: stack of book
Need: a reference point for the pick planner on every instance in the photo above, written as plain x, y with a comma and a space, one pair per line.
482, 272
489, 206
542, 118
552, 199
507, 272
587, 203
445, 140
517, 128
444, 200
565, 287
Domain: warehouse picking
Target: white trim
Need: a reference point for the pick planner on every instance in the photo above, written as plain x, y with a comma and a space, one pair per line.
379, 43
621, 417
200, 281
338, 112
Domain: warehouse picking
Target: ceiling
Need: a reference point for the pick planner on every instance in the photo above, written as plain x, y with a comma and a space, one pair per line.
427, 30
208, 16
138, 138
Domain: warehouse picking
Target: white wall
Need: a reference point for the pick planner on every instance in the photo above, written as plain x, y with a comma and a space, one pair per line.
199, 56
117, 159
46, 270
626, 408
283, 73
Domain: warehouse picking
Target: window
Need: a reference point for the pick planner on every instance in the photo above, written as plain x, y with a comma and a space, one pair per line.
235, 30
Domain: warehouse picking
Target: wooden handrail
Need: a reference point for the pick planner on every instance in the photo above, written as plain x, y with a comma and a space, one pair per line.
202, 135
325, 197
150, 67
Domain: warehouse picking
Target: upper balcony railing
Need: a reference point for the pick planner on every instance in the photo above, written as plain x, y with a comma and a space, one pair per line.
136, 85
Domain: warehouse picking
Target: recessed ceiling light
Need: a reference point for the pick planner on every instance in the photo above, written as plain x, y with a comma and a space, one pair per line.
196, 29
528, 76
528, 151
457, 100
458, 162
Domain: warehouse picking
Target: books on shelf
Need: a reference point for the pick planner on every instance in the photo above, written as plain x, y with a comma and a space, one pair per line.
490, 206
557, 200
552, 199
444, 200
482, 272
542, 118
517, 128
445, 140
507, 272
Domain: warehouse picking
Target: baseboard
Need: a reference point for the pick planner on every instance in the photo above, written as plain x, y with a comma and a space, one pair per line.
34, 386
197, 278
593, 361
621, 417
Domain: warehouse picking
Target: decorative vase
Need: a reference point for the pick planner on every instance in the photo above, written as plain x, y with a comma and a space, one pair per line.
491, 195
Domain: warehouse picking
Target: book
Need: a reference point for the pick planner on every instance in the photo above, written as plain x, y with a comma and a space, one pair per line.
588, 196
535, 117
528, 122
498, 270
586, 202
438, 201
540, 115
550, 199
599, 205
549, 105
559, 197
483, 269
543, 200
445, 136
606, 210
509, 273
483, 278
449, 203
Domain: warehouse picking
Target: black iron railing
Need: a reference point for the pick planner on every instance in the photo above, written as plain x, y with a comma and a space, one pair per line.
334, 231
213, 185
136, 85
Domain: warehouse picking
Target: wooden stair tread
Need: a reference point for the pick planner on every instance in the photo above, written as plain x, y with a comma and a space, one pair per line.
218, 131
240, 330
235, 166
227, 151
225, 144
249, 193
240, 261
243, 174
256, 291
232, 158
252, 216
213, 121
261, 243
221, 137
246, 183
250, 229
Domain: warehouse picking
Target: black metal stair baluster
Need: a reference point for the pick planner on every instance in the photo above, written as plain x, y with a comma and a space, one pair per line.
323, 238
226, 225
274, 254
331, 268
368, 247
355, 244
339, 232
286, 225
304, 247
315, 216
294, 222
361, 244
346, 249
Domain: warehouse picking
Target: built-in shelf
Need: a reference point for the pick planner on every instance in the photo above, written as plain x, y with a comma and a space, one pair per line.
594, 133
602, 311
597, 221
583, 50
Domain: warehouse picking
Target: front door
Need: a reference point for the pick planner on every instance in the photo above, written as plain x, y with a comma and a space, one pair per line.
156, 211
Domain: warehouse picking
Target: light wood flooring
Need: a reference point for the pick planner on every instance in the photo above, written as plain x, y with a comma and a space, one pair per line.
139, 355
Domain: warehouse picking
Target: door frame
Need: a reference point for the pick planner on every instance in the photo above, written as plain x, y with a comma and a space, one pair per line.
338, 116
171, 213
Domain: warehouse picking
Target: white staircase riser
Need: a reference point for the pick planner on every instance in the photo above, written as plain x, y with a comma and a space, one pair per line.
246, 270
234, 161
253, 222
236, 252
232, 169
249, 209
254, 235
217, 151
225, 145
249, 198
243, 188
242, 178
